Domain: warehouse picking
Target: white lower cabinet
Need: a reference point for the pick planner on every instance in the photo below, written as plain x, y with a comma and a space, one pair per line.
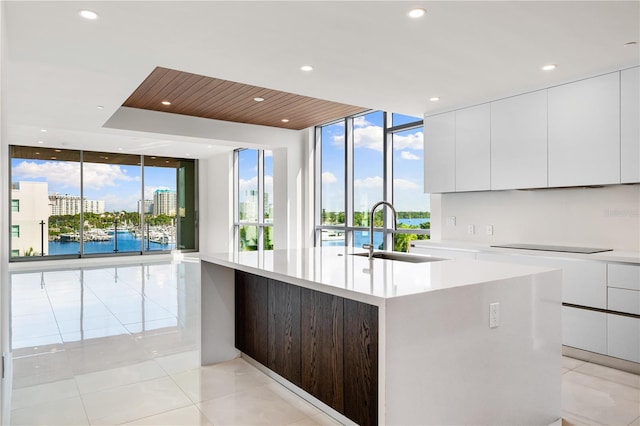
584, 283
623, 337
584, 329
623, 300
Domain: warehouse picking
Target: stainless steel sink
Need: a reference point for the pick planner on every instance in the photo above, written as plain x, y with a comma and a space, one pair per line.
402, 257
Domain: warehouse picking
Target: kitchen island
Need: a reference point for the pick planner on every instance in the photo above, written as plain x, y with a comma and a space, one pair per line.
391, 342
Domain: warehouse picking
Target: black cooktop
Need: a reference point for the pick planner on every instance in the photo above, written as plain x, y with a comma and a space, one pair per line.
544, 247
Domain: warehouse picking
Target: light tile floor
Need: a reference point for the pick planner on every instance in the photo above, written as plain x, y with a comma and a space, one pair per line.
120, 345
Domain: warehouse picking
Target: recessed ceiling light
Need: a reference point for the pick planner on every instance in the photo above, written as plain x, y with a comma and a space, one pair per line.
167, 161
434, 99
306, 68
43, 130
119, 149
40, 142
165, 103
187, 154
88, 14
37, 153
209, 146
58, 150
258, 99
418, 12
54, 158
153, 158
100, 107
285, 120
549, 67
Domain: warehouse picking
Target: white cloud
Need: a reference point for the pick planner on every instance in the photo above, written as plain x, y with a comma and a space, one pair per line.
248, 184
404, 184
328, 177
97, 176
361, 121
411, 141
406, 155
67, 174
62, 173
370, 182
368, 137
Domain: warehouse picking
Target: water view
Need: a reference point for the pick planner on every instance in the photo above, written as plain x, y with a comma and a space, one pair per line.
126, 242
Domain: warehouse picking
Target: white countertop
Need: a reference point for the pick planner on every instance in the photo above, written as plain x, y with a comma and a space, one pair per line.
607, 256
334, 270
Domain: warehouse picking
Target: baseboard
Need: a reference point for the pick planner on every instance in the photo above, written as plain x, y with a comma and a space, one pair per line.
605, 360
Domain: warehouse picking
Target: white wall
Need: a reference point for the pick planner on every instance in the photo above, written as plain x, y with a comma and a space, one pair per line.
4, 225
216, 203
291, 199
607, 217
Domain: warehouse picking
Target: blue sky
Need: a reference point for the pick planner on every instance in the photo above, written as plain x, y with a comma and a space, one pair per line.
118, 185
408, 165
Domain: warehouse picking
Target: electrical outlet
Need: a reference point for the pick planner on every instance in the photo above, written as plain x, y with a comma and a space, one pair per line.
451, 221
489, 229
471, 229
494, 315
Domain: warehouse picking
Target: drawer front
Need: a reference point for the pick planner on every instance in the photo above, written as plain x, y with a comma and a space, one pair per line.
583, 283
623, 300
584, 329
624, 337
447, 254
623, 276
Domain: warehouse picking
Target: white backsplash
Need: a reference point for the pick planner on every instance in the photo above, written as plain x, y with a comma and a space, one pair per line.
606, 217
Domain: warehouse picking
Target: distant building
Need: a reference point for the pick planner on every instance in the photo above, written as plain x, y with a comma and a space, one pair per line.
249, 207
29, 207
164, 202
70, 205
145, 206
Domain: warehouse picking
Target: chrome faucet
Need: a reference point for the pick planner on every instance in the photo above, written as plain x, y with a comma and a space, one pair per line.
371, 213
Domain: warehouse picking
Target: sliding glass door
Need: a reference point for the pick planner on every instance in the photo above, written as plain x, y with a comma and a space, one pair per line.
72, 203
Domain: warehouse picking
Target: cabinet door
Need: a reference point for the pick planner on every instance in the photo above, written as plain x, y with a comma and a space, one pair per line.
439, 153
584, 329
284, 330
473, 148
251, 314
322, 324
623, 300
519, 142
623, 276
361, 362
630, 125
584, 132
624, 337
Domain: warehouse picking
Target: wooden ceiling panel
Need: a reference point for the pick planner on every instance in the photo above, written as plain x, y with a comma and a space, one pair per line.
207, 97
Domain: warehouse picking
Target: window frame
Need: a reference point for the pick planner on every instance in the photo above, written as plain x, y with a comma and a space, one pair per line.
15, 205
348, 228
260, 223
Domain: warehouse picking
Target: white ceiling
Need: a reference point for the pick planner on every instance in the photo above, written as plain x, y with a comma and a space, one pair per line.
59, 67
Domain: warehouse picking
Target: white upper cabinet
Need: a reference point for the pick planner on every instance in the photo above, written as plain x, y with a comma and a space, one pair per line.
630, 125
519, 141
584, 132
473, 148
439, 153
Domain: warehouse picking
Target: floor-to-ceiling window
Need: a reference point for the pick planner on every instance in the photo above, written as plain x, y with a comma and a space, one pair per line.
74, 203
365, 159
110, 194
253, 182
